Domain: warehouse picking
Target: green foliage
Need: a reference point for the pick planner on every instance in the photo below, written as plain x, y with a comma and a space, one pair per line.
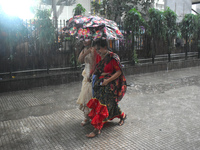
79, 10
170, 18
45, 28
96, 7
13, 29
135, 56
145, 6
72, 62
172, 29
12, 32
198, 28
156, 26
189, 26
73, 57
133, 20
115, 9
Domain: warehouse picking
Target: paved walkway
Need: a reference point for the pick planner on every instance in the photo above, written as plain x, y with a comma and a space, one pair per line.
162, 107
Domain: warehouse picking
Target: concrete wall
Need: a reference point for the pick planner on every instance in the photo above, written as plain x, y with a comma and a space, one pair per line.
181, 7
23, 83
196, 7
159, 4
67, 12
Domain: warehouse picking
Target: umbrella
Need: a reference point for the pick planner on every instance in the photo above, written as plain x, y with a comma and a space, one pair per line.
104, 28
74, 26
94, 27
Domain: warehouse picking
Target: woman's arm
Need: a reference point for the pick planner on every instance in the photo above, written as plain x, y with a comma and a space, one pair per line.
82, 55
113, 77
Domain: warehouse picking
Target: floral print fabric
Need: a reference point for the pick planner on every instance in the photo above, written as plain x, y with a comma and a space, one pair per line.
93, 26
104, 105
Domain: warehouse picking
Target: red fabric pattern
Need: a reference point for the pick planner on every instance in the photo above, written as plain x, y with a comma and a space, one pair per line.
110, 67
98, 58
110, 64
98, 113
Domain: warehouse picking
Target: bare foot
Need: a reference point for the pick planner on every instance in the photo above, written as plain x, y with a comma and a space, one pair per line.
93, 133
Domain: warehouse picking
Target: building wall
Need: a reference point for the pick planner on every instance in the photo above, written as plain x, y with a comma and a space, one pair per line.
196, 7
159, 4
67, 12
180, 7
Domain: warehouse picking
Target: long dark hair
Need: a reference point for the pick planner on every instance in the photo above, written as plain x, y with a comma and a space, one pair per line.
101, 43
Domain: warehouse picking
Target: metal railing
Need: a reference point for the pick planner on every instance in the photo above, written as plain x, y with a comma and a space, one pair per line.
26, 57
158, 59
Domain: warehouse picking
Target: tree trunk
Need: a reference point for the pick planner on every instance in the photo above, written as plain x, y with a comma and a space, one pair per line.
11, 61
198, 48
169, 51
55, 18
75, 63
133, 46
47, 58
153, 50
186, 49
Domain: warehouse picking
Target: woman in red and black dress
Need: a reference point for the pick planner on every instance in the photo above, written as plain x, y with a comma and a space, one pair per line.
109, 88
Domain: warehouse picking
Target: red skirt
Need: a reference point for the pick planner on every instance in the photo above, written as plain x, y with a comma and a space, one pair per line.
100, 113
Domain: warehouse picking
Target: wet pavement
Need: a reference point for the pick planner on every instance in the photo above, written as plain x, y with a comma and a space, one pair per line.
162, 108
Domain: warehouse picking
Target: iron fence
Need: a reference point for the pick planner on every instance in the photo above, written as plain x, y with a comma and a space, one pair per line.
26, 55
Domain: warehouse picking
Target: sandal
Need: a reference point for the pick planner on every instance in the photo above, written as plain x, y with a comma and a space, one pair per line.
122, 120
94, 133
84, 122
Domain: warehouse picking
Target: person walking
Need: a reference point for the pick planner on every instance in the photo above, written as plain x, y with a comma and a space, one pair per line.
86, 56
109, 88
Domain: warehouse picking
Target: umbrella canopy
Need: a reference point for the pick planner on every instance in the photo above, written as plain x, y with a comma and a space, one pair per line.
93, 27
75, 25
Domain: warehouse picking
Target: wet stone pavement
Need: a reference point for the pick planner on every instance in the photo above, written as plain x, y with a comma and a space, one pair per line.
163, 111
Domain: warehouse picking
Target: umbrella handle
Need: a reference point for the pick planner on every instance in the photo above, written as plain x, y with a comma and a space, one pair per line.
92, 43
